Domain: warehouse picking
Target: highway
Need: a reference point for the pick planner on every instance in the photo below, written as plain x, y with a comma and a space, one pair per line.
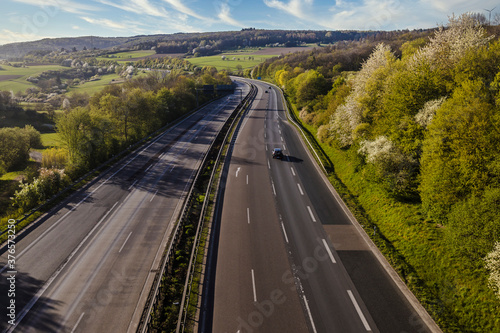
90, 265
289, 257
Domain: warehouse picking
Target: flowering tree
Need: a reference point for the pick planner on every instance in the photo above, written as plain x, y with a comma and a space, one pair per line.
349, 115
392, 165
492, 261
449, 45
425, 115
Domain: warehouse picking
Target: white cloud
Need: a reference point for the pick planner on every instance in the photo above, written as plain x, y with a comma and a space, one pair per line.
225, 16
106, 23
296, 8
54, 6
180, 7
8, 36
138, 7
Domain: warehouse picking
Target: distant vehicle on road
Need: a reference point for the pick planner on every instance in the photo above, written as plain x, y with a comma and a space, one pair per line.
277, 153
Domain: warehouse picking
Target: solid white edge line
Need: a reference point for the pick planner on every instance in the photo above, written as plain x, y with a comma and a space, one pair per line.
121, 248
133, 184
310, 315
254, 289
284, 232
358, 309
311, 213
300, 189
248, 215
329, 251
153, 196
77, 323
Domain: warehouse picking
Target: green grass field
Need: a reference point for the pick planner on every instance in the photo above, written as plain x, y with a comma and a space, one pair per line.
231, 61
94, 86
14, 78
124, 56
50, 140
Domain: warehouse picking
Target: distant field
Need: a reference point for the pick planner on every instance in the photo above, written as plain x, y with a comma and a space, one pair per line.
94, 86
128, 56
259, 55
14, 78
230, 63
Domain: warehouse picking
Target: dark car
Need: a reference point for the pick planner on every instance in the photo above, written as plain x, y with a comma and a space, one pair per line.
277, 153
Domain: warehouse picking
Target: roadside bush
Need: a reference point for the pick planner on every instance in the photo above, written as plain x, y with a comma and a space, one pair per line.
54, 158
42, 188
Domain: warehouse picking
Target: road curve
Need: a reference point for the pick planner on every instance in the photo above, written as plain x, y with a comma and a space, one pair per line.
289, 258
90, 265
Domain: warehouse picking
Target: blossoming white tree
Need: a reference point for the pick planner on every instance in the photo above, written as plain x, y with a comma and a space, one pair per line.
349, 115
493, 265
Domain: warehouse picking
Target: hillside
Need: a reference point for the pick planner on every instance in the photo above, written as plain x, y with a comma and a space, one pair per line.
204, 43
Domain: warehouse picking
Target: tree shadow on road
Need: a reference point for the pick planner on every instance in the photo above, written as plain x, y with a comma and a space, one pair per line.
20, 291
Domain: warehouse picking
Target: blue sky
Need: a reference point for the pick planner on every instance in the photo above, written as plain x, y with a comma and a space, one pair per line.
24, 20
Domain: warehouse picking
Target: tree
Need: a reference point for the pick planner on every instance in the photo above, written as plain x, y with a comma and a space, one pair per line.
309, 86
14, 147
359, 103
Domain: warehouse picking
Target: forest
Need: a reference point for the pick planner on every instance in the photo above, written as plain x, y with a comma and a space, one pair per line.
417, 125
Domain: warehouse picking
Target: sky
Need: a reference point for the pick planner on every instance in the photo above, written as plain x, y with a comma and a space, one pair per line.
26, 20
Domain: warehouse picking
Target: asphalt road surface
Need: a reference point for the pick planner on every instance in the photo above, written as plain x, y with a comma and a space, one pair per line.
90, 265
288, 257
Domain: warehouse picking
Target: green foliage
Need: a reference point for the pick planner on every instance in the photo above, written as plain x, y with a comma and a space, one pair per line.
475, 224
309, 86
54, 158
47, 184
15, 144
459, 149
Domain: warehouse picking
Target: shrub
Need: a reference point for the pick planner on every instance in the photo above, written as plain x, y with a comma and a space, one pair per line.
54, 158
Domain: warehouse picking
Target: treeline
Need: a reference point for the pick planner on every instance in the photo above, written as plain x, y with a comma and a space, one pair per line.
122, 114
423, 121
215, 42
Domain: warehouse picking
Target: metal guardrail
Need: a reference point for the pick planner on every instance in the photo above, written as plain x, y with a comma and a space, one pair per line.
183, 312
152, 301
